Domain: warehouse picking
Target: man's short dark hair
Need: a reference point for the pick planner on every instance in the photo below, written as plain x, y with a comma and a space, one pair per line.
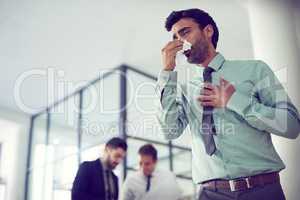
199, 16
116, 142
148, 150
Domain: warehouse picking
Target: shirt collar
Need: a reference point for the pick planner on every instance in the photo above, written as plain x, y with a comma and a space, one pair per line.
152, 175
217, 62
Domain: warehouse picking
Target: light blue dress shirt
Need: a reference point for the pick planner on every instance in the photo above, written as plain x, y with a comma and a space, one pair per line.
259, 107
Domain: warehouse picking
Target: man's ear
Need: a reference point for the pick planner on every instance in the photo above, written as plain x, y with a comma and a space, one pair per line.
106, 149
208, 31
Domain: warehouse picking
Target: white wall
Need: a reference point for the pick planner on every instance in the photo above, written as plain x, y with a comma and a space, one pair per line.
14, 137
81, 38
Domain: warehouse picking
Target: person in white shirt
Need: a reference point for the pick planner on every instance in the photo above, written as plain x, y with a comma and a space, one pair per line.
150, 183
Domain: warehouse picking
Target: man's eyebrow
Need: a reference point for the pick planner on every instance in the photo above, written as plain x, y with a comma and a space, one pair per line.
180, 32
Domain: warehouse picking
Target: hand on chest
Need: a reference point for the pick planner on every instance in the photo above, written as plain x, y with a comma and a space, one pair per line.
216, 94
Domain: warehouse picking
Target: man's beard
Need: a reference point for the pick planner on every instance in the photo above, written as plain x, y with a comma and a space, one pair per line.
198, 52
110, 164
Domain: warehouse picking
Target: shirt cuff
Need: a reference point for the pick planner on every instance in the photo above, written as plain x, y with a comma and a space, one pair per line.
238, 102
167, 78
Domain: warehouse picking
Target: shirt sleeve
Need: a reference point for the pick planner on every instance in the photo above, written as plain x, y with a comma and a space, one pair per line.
171, 114
268, 108
127, 192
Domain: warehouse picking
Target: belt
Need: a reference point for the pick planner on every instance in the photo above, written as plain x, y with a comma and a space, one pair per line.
243, 183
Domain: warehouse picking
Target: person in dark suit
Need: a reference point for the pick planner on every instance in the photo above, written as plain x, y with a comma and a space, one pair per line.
95, 180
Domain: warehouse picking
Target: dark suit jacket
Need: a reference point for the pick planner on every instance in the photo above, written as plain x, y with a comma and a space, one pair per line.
89, 182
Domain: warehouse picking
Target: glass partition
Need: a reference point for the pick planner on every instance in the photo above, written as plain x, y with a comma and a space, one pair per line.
37, 170
76, 129
62, 150
100, 115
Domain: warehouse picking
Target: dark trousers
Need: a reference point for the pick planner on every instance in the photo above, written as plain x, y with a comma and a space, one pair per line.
268, 192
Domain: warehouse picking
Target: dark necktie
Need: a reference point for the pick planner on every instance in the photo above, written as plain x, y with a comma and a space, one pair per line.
208, 128
148, 183
109, 195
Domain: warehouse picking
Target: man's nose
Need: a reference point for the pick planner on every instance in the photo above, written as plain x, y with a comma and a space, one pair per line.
180, 39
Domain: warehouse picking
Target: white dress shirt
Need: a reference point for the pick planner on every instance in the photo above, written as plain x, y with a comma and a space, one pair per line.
163, 186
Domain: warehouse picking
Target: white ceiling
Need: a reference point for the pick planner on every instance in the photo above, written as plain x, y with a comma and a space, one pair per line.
79, 39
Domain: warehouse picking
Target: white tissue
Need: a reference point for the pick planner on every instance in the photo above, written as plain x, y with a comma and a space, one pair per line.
186, 46
180, 57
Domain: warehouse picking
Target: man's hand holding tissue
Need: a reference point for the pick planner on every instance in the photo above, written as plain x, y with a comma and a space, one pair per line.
216, 95
169, 54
